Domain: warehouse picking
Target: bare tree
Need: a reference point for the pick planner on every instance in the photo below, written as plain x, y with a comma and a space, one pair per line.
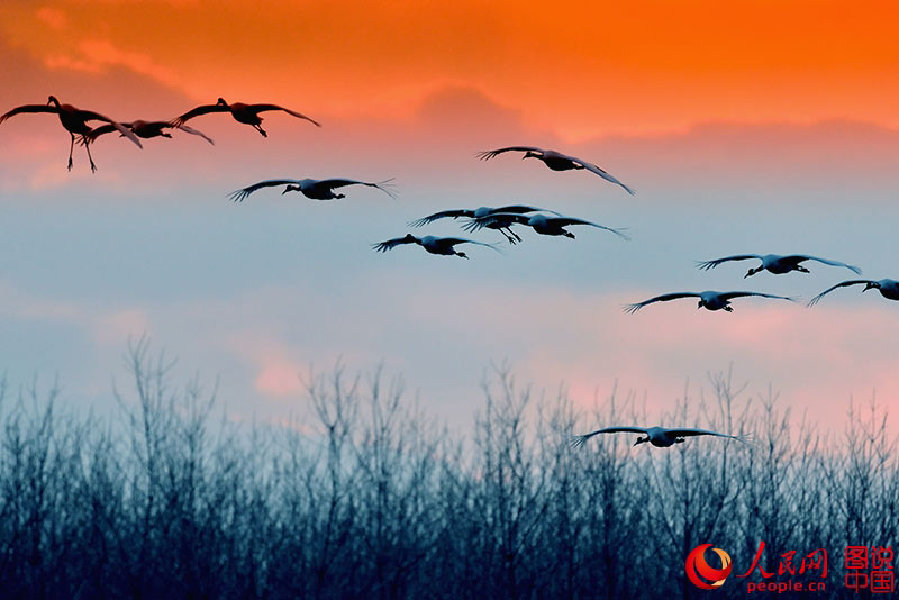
365, 496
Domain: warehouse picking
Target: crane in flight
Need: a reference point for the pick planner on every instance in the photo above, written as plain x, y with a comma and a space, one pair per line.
776, 263
557, 162
660, 437
248, 114
444, 246
75, 122
314, 189
709, 300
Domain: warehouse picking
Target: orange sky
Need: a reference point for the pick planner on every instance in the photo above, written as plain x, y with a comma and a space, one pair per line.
586, 69
715, 112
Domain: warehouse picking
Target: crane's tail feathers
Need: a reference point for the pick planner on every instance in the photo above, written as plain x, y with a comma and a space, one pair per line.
706, 265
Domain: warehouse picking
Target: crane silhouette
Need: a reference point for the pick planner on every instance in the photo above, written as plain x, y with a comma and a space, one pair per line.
75, 122
709, 300
314, 189
444, 246
660, 437
248, 114
557, 162
777, 263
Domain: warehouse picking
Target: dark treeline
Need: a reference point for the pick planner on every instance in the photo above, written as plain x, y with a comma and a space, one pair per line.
369, 498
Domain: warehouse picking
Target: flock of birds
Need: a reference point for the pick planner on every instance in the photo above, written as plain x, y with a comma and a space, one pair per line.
502, 219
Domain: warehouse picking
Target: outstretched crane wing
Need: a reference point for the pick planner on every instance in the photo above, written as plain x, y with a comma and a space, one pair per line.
711, 264
449, 242
491, 153
387, 186
193, 131
443, 214
28, 108
690, 431
241, 194
579, 440
566, 221
393, 243
292, 113
602, 173
732, 295
798, 258
200, 110
632, 308
815, 300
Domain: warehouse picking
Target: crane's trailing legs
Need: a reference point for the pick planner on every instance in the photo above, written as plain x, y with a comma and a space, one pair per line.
71, 150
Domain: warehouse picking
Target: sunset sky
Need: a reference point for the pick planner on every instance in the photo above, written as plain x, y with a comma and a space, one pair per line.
745, 127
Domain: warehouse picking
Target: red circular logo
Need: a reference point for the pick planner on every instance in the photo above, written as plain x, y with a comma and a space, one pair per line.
701, 574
